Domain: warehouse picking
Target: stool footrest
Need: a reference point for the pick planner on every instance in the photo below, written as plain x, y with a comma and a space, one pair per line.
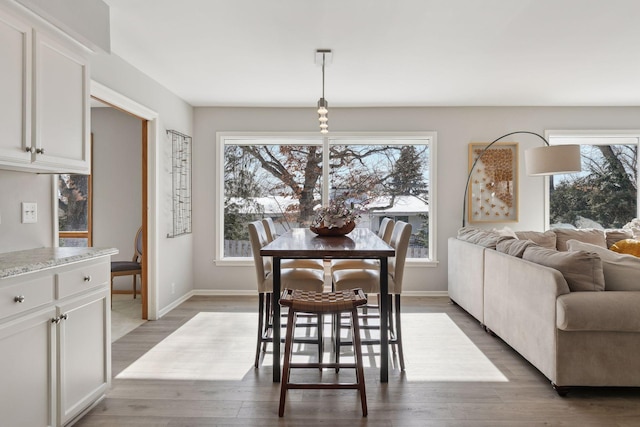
327, 386
323, 365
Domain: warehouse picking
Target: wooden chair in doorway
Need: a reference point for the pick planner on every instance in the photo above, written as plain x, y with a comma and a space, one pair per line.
130, 268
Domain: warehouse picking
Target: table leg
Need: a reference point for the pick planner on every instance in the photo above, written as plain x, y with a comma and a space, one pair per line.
384, 320
276, 319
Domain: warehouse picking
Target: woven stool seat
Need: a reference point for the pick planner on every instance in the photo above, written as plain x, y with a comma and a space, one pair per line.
322, 302
300, 301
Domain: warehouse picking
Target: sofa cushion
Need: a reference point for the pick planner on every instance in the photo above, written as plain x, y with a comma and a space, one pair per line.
627, 246
615, 235
621, 272
582, 270
586, 235
545, 239
514, 247
487, 238
598, 311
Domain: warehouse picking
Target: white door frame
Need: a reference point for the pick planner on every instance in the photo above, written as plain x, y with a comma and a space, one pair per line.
153, 132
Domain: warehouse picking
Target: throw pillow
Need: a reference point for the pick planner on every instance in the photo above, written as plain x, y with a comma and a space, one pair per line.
586, 235
545, 239
615, 235
505, 231
621, 272
627, 246
514, 247
582, 270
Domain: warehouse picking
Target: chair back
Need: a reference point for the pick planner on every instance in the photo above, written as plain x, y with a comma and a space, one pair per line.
258, 238
137, 256
386, 228
400, 242
270, 228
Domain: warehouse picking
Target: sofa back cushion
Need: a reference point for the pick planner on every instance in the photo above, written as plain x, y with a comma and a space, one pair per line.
546, 239
586, 235
582, 270
487, 238
613, 236
621, 272
514, 247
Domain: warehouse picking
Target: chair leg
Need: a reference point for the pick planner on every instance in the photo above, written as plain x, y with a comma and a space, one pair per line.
286, 370
135, 287
338, 322
320, 338
357, 350
260, 327
399, 331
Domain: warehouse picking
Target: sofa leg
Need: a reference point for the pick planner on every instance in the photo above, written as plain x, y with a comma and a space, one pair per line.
561, 390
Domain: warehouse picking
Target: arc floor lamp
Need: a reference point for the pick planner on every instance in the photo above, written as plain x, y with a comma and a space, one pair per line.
539, 161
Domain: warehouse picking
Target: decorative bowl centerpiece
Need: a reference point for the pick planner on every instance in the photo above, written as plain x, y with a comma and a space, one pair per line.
336, 219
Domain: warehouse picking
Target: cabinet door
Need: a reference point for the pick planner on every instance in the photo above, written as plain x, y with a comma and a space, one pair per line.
15, 87
84, 353
61, 110
26, 370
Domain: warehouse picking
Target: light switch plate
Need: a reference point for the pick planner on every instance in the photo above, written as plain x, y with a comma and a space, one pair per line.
29, 212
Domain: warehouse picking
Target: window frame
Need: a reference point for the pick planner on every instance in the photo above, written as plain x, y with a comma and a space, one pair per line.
550, 135
333, 138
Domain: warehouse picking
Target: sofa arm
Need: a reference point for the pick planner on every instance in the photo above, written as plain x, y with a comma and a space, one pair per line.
599, 311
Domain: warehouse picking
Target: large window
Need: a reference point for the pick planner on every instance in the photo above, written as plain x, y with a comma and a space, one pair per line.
288, 177
604, 194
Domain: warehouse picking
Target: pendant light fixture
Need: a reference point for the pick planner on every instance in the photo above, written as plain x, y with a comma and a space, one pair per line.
322, 57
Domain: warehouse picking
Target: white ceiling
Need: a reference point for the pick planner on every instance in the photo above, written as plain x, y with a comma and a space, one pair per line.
386, 52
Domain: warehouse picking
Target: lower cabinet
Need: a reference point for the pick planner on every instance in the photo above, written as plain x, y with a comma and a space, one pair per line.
55, 359
27, 370
83, 354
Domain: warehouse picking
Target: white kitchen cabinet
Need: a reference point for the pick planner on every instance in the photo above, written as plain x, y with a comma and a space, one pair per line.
84, 354
15, 87
27, 370
55, 336
44, 110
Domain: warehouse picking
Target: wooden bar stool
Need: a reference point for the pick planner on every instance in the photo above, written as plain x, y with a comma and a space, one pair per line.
299, 301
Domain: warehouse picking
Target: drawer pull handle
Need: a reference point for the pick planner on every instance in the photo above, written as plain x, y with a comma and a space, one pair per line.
19, 299
39, 150
58, 319
87, 278
29, 149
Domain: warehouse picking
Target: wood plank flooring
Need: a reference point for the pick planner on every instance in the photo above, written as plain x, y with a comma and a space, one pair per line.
523, 398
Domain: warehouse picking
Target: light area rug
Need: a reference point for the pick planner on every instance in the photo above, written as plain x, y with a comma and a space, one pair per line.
221, 346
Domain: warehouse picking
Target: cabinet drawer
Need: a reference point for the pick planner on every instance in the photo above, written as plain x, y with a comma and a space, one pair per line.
32, 292
82, 278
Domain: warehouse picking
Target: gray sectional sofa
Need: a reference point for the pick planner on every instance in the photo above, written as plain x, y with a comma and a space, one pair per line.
575, 338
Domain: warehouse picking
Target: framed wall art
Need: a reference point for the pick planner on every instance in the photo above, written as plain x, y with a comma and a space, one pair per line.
493, 187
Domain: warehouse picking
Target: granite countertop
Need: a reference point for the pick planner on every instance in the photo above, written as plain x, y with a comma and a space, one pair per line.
28, 261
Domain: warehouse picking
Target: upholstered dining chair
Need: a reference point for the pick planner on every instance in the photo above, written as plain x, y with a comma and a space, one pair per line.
384, 232
292, 278
369, 281
130, 268
270, 229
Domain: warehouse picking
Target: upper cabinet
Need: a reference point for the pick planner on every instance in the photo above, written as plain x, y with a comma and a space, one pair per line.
44, 110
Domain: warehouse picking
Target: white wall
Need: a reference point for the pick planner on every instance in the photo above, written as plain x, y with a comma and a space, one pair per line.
117, 183
174, 256
17, 187
456, 128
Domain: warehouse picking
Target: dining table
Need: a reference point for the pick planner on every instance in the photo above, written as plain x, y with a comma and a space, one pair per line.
302, 243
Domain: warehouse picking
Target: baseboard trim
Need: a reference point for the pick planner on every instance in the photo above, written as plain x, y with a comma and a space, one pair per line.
235, 293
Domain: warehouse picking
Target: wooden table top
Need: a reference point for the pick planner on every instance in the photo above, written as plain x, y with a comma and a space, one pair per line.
303, 243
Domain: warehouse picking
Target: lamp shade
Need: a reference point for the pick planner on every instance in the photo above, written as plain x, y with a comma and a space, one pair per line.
552, 159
